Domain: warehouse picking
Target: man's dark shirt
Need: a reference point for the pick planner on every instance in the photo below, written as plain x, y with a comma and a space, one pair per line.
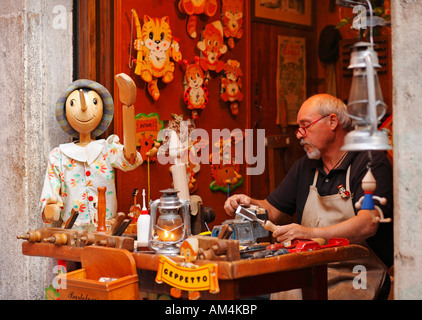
291, 195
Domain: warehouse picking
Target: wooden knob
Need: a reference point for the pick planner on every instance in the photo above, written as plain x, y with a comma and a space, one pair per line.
31, 236
57, 238
88, 239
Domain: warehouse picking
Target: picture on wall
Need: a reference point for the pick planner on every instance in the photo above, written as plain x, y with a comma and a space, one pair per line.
291, 77
284, 11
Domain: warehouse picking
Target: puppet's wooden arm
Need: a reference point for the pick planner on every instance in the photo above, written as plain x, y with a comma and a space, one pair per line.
127, 95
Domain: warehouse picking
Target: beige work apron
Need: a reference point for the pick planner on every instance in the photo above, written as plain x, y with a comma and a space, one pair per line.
326, 211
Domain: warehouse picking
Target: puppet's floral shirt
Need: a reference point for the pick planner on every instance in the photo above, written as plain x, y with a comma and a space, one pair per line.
74, 173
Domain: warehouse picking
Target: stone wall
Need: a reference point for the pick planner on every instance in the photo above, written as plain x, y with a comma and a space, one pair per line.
407, 102
36, 63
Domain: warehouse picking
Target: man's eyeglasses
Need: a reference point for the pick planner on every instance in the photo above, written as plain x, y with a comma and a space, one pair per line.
304, 130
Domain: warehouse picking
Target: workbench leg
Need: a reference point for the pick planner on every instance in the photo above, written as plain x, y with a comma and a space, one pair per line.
317, 288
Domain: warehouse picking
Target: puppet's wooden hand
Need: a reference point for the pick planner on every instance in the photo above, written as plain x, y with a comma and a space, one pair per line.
52, 210
127, 89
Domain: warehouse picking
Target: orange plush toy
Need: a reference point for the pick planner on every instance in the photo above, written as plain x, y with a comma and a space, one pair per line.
212, 47
232, 20
156, 46
196, 94
231, 85
196, 7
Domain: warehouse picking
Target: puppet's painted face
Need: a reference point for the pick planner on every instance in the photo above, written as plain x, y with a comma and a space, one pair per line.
84, 110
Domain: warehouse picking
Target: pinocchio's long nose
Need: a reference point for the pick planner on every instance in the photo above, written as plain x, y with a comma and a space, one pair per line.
82, 100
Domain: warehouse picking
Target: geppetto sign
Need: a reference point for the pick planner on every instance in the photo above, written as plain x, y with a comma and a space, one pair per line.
201, 278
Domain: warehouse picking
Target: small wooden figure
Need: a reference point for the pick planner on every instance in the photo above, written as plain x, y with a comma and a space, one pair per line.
156, 46
231, 85
212, 47
232, 20
193, 8
366, 202
75, 170
196, 93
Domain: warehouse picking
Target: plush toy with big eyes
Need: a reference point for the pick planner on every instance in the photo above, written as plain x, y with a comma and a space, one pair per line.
156, 47
193, 8
232, 20
231, 85
212, 47
196, 93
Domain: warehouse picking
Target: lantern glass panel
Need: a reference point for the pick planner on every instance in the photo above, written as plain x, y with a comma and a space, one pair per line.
169, 228
358, 98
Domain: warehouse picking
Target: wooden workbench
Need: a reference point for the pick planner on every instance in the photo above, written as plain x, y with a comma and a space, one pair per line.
237, 279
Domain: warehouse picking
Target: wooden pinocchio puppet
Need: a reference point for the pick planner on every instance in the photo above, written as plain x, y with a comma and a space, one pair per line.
76, 170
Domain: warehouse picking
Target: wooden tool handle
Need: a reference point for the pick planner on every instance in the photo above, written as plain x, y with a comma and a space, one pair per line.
71, 221
268, 225
119, 219
101, 209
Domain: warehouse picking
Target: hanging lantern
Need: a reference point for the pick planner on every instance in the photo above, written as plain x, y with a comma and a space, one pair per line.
365, 105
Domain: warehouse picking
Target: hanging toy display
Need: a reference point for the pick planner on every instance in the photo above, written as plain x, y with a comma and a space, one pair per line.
156, 46
193, 8
232, 20
196, 93
212, 47
226, 173
231, 85
147, 129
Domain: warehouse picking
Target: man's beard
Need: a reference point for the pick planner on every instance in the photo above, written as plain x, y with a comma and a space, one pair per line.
316, 154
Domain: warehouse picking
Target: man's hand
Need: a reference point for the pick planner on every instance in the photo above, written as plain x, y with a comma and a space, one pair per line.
234, 201
292, 231
52, 210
